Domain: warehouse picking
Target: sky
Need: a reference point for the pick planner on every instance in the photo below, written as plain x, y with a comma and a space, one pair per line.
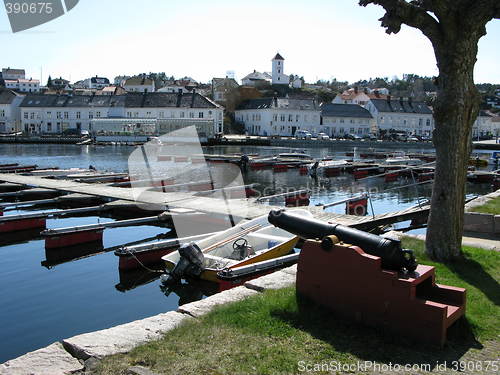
319, 39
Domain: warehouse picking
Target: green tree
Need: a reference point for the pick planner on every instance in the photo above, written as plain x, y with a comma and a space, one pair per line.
454, 28
49, 82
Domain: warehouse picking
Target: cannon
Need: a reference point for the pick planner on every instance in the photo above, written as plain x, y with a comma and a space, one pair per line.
392, 255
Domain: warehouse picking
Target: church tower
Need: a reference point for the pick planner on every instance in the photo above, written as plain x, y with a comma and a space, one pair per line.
279, 77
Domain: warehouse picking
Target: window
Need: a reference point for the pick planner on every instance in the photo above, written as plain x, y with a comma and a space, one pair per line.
98, 114
78, 115
32, 115
209, 113
182, 115
191, 114
428, 122
278, 78
162, 114
129, 114
341, 120
2, 113
59, 115
275, 117
26, 115
290, 118
297, 118
341, 130
148, 114
49, 126
66, 115
352, 130
49, 115
200, 115
91, 115
282, 118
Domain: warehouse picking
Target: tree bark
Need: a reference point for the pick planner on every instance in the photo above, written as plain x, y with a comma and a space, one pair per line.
455, 111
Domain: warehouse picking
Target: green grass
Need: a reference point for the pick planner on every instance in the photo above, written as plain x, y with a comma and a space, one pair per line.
492, 207
269, 333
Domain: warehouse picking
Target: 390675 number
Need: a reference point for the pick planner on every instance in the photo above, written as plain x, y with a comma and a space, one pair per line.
29, 8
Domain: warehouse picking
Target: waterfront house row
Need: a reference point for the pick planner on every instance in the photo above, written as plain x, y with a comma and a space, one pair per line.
59, 113
283, 117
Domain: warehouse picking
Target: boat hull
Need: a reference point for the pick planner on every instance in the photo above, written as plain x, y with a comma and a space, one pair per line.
210, 274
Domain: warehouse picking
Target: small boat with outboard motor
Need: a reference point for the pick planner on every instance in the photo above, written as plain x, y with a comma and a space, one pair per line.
246, 243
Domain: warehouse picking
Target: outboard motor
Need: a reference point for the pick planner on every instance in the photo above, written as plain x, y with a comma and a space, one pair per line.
389, 250
190, 263
244, 162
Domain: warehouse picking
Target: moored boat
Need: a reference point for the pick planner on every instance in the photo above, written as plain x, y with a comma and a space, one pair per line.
251, 242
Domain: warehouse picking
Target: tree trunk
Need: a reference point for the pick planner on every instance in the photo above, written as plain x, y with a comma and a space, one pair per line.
456, 109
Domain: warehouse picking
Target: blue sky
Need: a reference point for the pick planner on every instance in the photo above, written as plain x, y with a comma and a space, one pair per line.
320, 39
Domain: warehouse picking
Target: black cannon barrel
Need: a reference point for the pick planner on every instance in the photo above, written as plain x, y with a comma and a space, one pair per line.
393, 257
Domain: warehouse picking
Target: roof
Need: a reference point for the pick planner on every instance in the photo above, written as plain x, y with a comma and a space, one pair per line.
344, 110
134, 100
266, 103
7, 96
352, 94
80, 101
278, 57
138, 81
257, 76
28, 81
401, 106
224, 82
13, 71
168, 99
100, 80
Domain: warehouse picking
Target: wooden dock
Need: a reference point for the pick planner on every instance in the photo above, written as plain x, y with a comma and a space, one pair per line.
188, 202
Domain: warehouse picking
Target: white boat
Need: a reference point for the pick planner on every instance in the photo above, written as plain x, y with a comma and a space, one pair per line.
321, 167
401, 159
251, 242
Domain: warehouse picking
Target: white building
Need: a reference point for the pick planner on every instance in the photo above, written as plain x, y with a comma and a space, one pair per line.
23, 85
257, 79
279, 116
139, 84
483, 126
340, 119
401, 115
296, 83
60, 113
14, 74
10, 114
96, 83
278, 73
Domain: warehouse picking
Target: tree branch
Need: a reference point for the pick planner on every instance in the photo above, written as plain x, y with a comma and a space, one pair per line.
414, 14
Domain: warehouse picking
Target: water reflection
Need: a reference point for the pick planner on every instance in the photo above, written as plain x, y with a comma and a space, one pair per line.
191, 290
